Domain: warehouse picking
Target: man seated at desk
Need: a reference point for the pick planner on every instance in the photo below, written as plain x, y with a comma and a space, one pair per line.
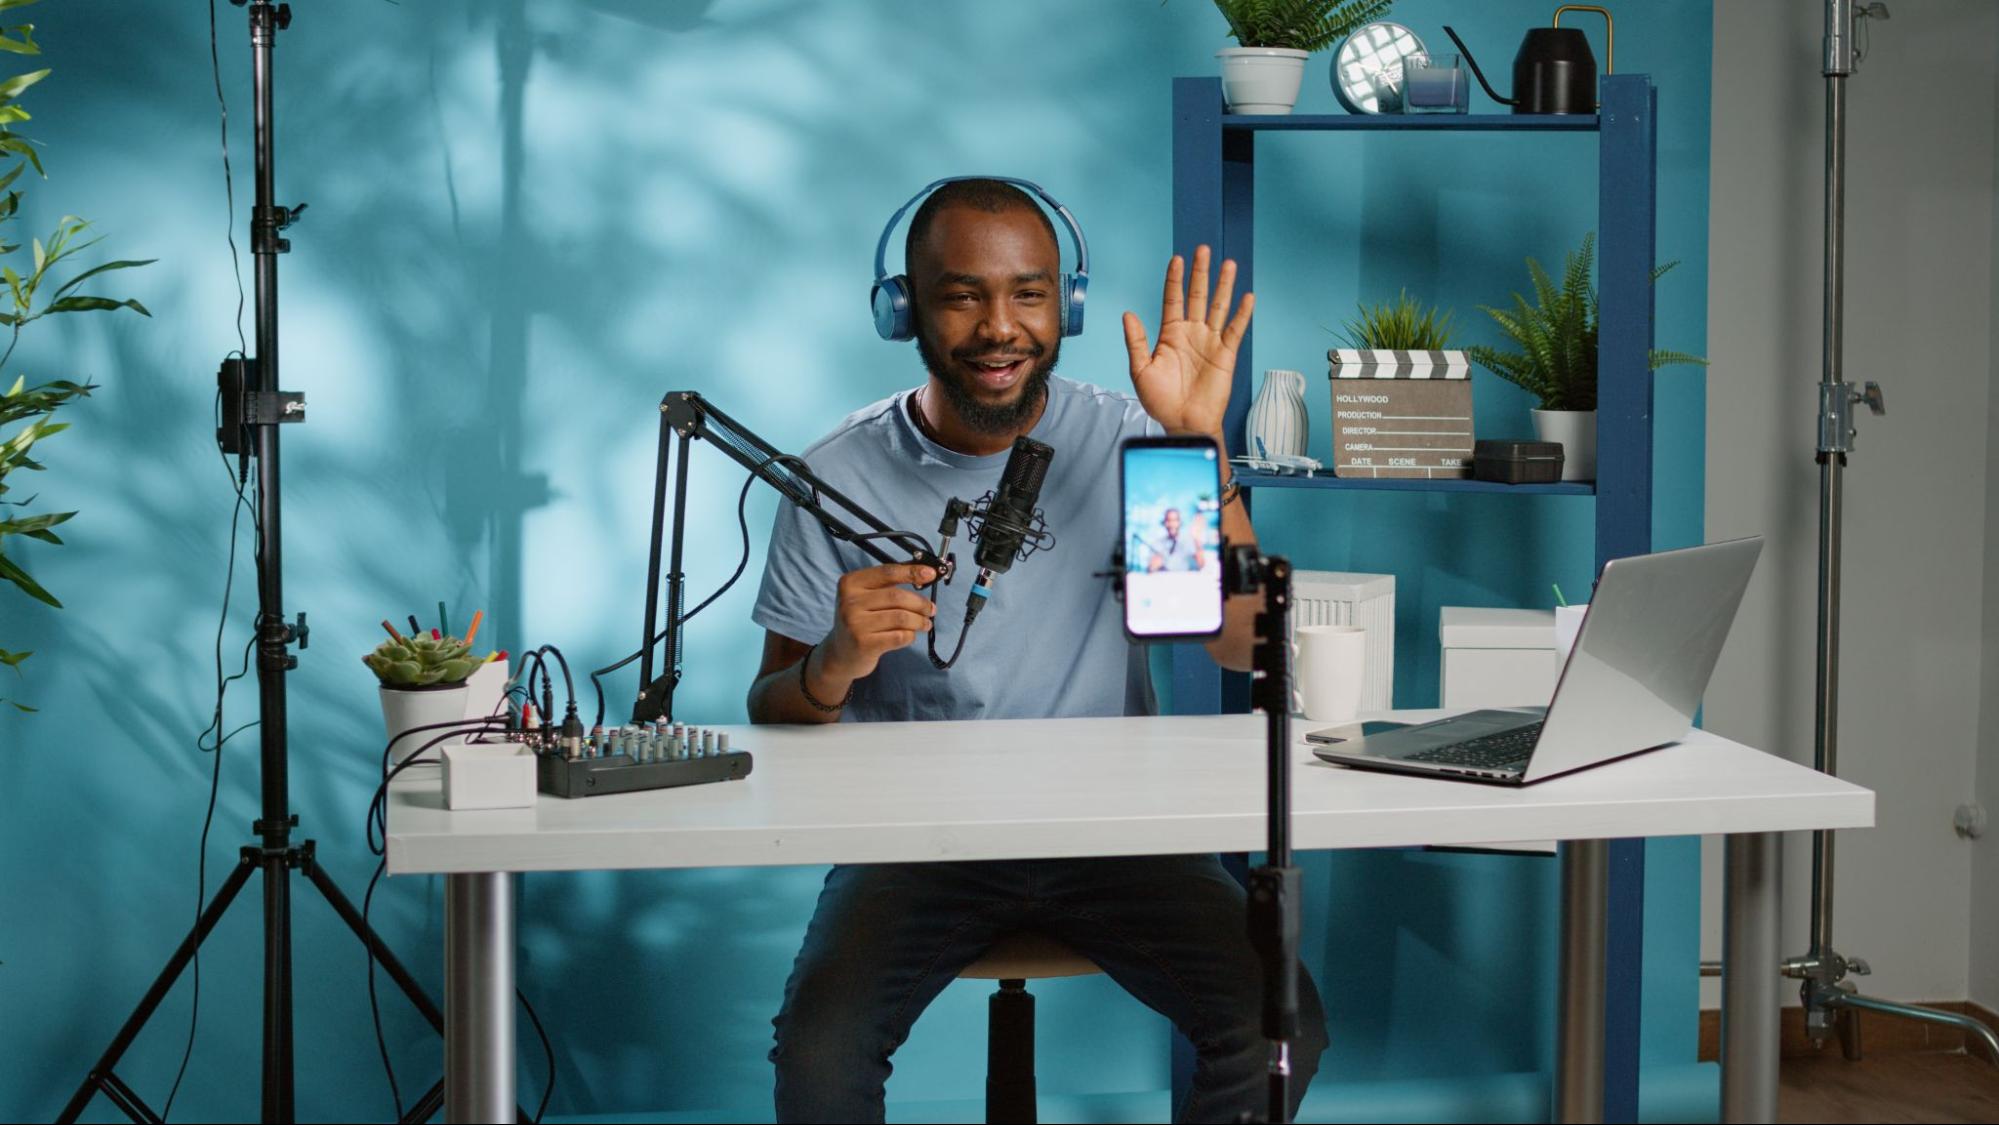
846, 641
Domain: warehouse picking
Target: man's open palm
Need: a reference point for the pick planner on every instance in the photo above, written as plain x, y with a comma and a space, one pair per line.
1184, 381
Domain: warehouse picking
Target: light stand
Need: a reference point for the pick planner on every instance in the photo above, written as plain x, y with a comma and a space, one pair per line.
1831, 1003
1273, 887
253, 409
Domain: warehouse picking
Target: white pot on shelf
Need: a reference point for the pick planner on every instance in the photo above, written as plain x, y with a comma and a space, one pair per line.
1261, 79
1576, 431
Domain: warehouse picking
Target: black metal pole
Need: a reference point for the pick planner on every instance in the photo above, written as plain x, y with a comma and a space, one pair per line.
649, 626
676, 576
1273, 886
274, 657
655, 700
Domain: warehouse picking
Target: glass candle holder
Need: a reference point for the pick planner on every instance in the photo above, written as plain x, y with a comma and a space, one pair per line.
1434, 84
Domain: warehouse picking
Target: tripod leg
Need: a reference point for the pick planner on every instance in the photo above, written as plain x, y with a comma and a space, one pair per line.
426, 1107
277, 989
217, 906
397, 972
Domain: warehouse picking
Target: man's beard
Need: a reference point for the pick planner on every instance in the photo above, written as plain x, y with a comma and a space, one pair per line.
986, 417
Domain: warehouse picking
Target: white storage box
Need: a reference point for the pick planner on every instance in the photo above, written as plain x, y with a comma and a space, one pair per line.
1497, 657
1331, 597
489, 775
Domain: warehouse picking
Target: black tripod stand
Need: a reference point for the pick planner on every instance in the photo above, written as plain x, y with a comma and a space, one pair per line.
1273, 887
253, 408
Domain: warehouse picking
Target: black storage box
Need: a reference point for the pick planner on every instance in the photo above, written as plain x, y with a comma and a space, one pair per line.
1517, 462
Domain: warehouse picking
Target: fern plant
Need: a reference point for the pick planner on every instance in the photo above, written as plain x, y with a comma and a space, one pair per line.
1555, 338
1403, 324
1301, 25
29, 294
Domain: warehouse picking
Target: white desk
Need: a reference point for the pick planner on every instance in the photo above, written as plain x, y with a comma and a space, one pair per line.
880, 792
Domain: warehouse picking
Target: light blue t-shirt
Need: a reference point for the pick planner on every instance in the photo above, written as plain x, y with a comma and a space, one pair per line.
1050, 642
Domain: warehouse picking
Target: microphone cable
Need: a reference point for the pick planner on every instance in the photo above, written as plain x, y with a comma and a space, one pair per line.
742, 564
222, 682
376, 830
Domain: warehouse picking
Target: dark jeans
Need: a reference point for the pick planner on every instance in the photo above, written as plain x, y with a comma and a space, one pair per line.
885, 940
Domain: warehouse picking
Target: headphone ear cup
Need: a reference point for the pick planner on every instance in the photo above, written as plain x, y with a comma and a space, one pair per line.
1075, 287
890, 300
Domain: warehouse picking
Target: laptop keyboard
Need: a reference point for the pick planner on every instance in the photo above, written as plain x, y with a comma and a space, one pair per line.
1505, 750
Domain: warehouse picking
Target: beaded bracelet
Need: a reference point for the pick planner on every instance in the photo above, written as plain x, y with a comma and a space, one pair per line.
806, 691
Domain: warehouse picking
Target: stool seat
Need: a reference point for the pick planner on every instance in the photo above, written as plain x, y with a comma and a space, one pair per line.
1027, 955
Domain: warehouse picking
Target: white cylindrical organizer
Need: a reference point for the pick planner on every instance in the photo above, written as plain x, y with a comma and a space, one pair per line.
1278, 425
1261, 79
405, 709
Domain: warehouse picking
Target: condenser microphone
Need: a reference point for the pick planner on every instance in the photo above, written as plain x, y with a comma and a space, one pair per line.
1009, 519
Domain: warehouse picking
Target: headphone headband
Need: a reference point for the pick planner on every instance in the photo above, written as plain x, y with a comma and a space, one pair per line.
1068, 220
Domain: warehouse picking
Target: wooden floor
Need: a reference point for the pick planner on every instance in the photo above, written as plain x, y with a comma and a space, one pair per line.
1889, 1088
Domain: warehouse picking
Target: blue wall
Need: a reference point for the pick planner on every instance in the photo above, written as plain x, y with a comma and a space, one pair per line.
530, 219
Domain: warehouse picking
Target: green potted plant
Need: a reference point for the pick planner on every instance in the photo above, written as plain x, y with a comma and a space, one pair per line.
1261, 73
422, 679
1554, 355
1402, 324
31, 292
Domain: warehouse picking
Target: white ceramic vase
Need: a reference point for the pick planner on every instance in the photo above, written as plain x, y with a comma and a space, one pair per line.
1261, 79
403, 710
1576, 431
1278, 425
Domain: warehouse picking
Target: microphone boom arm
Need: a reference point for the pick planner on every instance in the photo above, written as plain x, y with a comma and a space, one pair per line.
684, 417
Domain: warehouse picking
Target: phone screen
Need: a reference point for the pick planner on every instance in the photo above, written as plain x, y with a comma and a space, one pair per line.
1172, 537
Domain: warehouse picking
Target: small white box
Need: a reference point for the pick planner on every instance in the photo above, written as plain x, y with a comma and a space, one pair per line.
1331, 597
1497, 657
490, 775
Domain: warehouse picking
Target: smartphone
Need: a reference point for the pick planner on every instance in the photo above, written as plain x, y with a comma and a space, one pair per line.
1170, 493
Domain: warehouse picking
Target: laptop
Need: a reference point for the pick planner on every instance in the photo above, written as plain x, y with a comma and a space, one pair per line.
1632, 683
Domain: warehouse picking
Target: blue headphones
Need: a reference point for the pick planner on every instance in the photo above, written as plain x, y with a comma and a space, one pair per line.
891, 299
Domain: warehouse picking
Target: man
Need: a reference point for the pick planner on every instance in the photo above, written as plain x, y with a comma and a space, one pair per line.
846, 640
1176, 551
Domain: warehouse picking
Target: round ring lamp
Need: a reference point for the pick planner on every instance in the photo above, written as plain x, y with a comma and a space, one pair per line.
1367, 69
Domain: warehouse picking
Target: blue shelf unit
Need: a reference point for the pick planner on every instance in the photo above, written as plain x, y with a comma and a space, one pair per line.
1214, 179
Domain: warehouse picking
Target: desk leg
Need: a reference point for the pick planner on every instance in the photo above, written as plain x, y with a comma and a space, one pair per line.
479, 998
1580, 1003
1751, 987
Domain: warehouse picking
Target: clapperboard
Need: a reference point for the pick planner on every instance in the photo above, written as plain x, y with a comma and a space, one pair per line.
1401, 413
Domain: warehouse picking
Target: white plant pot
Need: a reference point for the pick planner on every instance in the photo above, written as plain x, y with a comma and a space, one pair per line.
406, 709
1261, 79
1278, 425
1576, 431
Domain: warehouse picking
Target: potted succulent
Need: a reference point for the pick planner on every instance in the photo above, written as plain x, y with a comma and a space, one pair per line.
1555, 358
422, 682
1273, 37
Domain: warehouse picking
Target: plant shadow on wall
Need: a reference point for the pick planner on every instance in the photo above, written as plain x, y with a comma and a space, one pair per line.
461, 271
27, 413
